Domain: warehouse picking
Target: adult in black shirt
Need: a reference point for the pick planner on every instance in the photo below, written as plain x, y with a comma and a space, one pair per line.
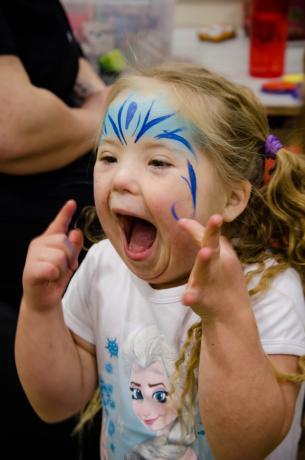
48, 129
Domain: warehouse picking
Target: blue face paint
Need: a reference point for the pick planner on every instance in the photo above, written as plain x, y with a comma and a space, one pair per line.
139, 115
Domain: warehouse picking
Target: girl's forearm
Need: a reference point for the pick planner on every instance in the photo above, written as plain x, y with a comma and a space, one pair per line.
241, 403
48, 363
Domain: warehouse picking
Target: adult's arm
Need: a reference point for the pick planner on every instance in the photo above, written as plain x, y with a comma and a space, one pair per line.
39, 132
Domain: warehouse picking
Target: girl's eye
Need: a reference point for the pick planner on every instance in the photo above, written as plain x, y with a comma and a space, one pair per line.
159, 164
107, 158
136, 393
160, 396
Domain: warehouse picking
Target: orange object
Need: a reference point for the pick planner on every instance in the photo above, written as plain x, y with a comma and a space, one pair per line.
282, 87
216, 33
279, 86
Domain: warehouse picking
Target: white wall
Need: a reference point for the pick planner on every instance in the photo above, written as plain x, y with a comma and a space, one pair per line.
205, 12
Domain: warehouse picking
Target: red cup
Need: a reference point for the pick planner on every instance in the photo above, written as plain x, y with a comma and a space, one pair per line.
268, 36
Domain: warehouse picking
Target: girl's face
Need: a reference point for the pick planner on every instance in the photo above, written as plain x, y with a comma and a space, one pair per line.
149, 391
148, 174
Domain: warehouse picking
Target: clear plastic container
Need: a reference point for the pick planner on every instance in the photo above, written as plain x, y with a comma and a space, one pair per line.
268, 36
141, 29
79, 13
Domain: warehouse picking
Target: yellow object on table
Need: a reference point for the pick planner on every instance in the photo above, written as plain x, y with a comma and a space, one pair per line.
293, 78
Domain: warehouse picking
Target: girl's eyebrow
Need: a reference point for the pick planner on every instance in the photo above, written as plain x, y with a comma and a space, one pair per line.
109, 141
156, 145
153, 145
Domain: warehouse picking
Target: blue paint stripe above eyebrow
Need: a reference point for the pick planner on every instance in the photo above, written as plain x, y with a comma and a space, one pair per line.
152, 123
120, 120
104, 128
148, 113
115, 129
176, 137
149, 124
138, 122
132, 108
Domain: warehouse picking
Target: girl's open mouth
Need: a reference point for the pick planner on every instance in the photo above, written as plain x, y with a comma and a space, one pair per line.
139, 235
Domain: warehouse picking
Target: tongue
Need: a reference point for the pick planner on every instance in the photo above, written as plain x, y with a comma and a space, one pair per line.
142, 236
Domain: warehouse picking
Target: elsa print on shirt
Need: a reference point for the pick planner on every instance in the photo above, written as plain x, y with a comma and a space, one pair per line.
152, 362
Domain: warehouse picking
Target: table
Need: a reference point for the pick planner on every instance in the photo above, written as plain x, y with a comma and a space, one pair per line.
231, 59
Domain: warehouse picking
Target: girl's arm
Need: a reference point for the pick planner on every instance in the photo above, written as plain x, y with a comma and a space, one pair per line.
57, 372
245, 411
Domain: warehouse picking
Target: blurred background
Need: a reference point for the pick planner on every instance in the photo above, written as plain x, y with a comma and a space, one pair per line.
117, 33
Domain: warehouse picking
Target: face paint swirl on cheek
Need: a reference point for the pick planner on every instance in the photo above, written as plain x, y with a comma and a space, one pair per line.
192, 184
138, 115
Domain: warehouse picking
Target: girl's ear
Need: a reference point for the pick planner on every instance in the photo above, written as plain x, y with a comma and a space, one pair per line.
237, 201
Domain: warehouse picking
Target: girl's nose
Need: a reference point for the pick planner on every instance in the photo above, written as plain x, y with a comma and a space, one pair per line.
126, 178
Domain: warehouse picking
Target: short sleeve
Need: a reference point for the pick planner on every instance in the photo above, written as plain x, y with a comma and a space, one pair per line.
77, 314
280, 315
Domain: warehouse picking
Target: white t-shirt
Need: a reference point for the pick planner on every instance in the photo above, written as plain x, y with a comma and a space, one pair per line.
138, 332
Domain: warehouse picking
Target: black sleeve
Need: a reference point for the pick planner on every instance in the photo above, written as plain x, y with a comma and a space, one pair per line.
41, 36
7, 42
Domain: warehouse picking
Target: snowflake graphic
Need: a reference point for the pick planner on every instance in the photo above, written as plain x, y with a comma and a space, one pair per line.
106, 396
111, 428
112, 347
108, 368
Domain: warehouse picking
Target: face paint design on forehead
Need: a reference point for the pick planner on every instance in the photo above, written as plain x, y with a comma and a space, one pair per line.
139, 115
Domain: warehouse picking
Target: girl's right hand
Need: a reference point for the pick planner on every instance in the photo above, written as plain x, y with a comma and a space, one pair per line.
52, 258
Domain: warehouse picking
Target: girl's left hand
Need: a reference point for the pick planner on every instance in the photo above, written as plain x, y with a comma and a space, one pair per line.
216, 286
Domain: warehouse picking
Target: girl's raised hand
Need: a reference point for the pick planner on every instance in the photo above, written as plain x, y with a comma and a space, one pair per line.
52, 258
217, 278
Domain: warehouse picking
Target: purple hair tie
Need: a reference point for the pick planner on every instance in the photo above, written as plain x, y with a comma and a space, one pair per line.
272, 146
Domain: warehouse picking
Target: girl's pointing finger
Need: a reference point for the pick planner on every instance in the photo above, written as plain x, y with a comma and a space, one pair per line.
62, 221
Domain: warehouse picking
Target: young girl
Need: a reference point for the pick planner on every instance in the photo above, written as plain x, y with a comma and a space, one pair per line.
204, 246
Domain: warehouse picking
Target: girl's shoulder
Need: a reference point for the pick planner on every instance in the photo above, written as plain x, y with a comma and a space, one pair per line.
283, 294
288, 281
